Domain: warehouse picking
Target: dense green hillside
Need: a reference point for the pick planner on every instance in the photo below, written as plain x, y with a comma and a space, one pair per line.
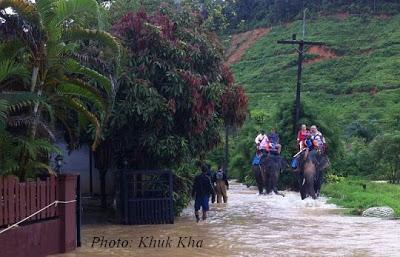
357, 89
361, 83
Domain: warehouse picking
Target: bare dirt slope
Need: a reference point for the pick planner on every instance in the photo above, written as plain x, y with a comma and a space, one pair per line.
322, 52
241, 42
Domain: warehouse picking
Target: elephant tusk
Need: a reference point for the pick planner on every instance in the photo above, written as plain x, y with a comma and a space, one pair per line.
304, 181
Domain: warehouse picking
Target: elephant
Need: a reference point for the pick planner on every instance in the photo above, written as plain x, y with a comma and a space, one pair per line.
310, 176
259, 177
270, 168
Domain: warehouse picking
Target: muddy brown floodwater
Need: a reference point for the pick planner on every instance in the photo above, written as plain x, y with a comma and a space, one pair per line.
253, 225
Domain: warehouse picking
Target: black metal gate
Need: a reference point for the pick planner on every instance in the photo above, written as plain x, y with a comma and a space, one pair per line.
146, 197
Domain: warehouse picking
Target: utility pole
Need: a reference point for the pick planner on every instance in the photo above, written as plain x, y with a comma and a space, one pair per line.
300, 50
304, 23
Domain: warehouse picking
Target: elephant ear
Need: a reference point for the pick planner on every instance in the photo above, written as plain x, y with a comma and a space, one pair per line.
323, 163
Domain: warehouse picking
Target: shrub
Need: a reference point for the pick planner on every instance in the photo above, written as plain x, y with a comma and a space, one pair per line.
331, 178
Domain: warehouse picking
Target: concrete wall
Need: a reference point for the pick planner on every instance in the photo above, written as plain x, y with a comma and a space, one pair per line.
78, 162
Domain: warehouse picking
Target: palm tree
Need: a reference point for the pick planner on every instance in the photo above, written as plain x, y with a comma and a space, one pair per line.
42, 80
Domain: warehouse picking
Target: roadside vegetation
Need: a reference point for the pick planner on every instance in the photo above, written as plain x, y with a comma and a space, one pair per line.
144, 85
350, 193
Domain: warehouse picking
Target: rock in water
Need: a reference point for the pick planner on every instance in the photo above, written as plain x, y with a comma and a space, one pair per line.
380, 212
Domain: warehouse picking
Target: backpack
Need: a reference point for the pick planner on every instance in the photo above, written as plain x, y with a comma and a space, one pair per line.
219, 175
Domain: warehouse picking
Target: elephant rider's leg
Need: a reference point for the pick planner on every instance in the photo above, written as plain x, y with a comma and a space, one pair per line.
279, 148
264, 153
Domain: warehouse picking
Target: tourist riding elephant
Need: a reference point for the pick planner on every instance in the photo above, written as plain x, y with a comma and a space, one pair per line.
271, 166
312, 167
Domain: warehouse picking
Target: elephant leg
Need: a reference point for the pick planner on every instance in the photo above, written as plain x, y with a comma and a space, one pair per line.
275, 179
269, 183
260, 188
259, 179
319, 181
302, 188
265, 180
309, 184
224, 194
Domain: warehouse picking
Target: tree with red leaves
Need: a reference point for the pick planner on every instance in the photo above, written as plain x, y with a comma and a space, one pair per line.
233, 100
175, 92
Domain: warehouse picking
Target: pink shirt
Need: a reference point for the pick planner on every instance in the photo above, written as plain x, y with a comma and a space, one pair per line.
264, 143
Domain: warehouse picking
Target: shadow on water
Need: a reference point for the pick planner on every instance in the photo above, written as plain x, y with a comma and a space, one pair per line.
253, 225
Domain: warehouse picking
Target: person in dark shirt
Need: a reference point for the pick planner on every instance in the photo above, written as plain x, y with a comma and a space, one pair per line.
211, 175
274, 141
202, 189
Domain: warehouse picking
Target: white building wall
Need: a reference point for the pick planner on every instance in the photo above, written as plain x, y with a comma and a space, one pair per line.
78, 162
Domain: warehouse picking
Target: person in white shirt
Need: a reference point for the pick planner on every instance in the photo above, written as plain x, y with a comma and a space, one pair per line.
317, 137
260, 137
264, 145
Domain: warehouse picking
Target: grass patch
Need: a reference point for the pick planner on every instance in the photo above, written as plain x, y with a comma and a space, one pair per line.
349, 193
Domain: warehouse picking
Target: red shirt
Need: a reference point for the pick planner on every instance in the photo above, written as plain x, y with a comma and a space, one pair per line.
302, 135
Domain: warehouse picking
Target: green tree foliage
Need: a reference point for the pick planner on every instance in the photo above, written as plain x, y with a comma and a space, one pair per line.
386, 151
173, 95
216, 13
114, 10
243, 150
357, 129
42, 80
233, 15
172, 98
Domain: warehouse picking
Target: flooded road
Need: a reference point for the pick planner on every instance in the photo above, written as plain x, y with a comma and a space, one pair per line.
253, 225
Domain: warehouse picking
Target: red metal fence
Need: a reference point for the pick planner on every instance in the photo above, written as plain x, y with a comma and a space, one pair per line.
19, 200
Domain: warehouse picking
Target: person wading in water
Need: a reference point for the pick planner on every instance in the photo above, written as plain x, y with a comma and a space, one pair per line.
211, 175
202, 189
221, 185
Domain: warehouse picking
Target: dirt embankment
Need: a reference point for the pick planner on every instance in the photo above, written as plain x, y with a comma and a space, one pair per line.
241, 42
323, 52
342, 15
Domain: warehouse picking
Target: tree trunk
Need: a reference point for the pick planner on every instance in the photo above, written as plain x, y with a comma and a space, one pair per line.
102, 161
35, 73
226, 159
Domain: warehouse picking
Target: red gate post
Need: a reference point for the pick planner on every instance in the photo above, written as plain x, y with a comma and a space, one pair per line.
67, 212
